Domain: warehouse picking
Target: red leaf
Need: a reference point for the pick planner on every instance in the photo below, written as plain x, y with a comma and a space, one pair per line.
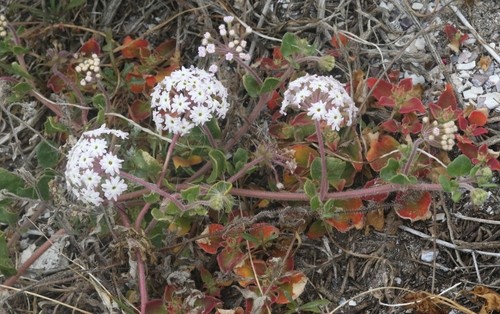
166, 49
406, 85
294, 284
210, 244
264, 233
478, 117
379, 147
132, 48
316, 230
383, 88
412, 105
56, 84
90, 46
413, 205
391, 126
301, 119
375, 198
468, 149
139, 110
228, 258
339, 41
246, 272
275, 101
347, 216
447, 98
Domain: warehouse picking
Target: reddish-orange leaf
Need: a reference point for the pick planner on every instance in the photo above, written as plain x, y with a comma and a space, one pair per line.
301, 119
347, 215
380, 147
412, 105
228, 258
447, 98
478, 117
132, 48
339, 40
263, 233
211, 243
139, 110
90, 46
246, 273
382, 88
375, 198
166, 49
275, 101
304, 154
294, 284
316, 230
413, 205
162, 73
56, 84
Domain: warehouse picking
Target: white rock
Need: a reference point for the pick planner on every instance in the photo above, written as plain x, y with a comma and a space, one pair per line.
353, 303
473, 92
385, 5
417, 6
428, 255
456, 80
493, 79
490, 100
465, 74
464, 56
416, 79
420, 43
466, 66
464, 86
51, 259
469, 41
492, 45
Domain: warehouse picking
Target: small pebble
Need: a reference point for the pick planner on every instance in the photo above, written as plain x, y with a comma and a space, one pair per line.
420, 43
464, 56
417, 6
428, 255
473, 92
479, 79
466, 66
489, 100
493, 79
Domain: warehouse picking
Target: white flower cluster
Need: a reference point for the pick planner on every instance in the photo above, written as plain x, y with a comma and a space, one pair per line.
91, 68
323, 97
3, 26
233, 43
187, 98
441, 135
93, 169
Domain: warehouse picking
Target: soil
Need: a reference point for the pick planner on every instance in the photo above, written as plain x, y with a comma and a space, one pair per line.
361, 271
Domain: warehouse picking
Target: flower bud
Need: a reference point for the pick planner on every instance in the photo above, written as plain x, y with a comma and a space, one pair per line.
479, 196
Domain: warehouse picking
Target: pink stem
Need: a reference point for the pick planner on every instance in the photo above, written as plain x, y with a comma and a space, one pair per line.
323, 186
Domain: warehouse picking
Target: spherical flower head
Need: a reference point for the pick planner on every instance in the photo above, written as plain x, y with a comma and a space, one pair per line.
92, 171
323, 98
187, 98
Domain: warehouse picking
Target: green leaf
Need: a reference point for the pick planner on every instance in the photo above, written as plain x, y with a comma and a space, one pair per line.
251, 85
214, 128
460, 166
269, 85
10, 181
6, 216
218, 160
456, 196
19, 50
74, 4
6, 265
144, 165
52, 126
315, 203
310, 189
22, 88
240, 158
46, 154
18, 70
191, 194
390, 170
289, 45
99, 101
151, 197
313, 306
334, 166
